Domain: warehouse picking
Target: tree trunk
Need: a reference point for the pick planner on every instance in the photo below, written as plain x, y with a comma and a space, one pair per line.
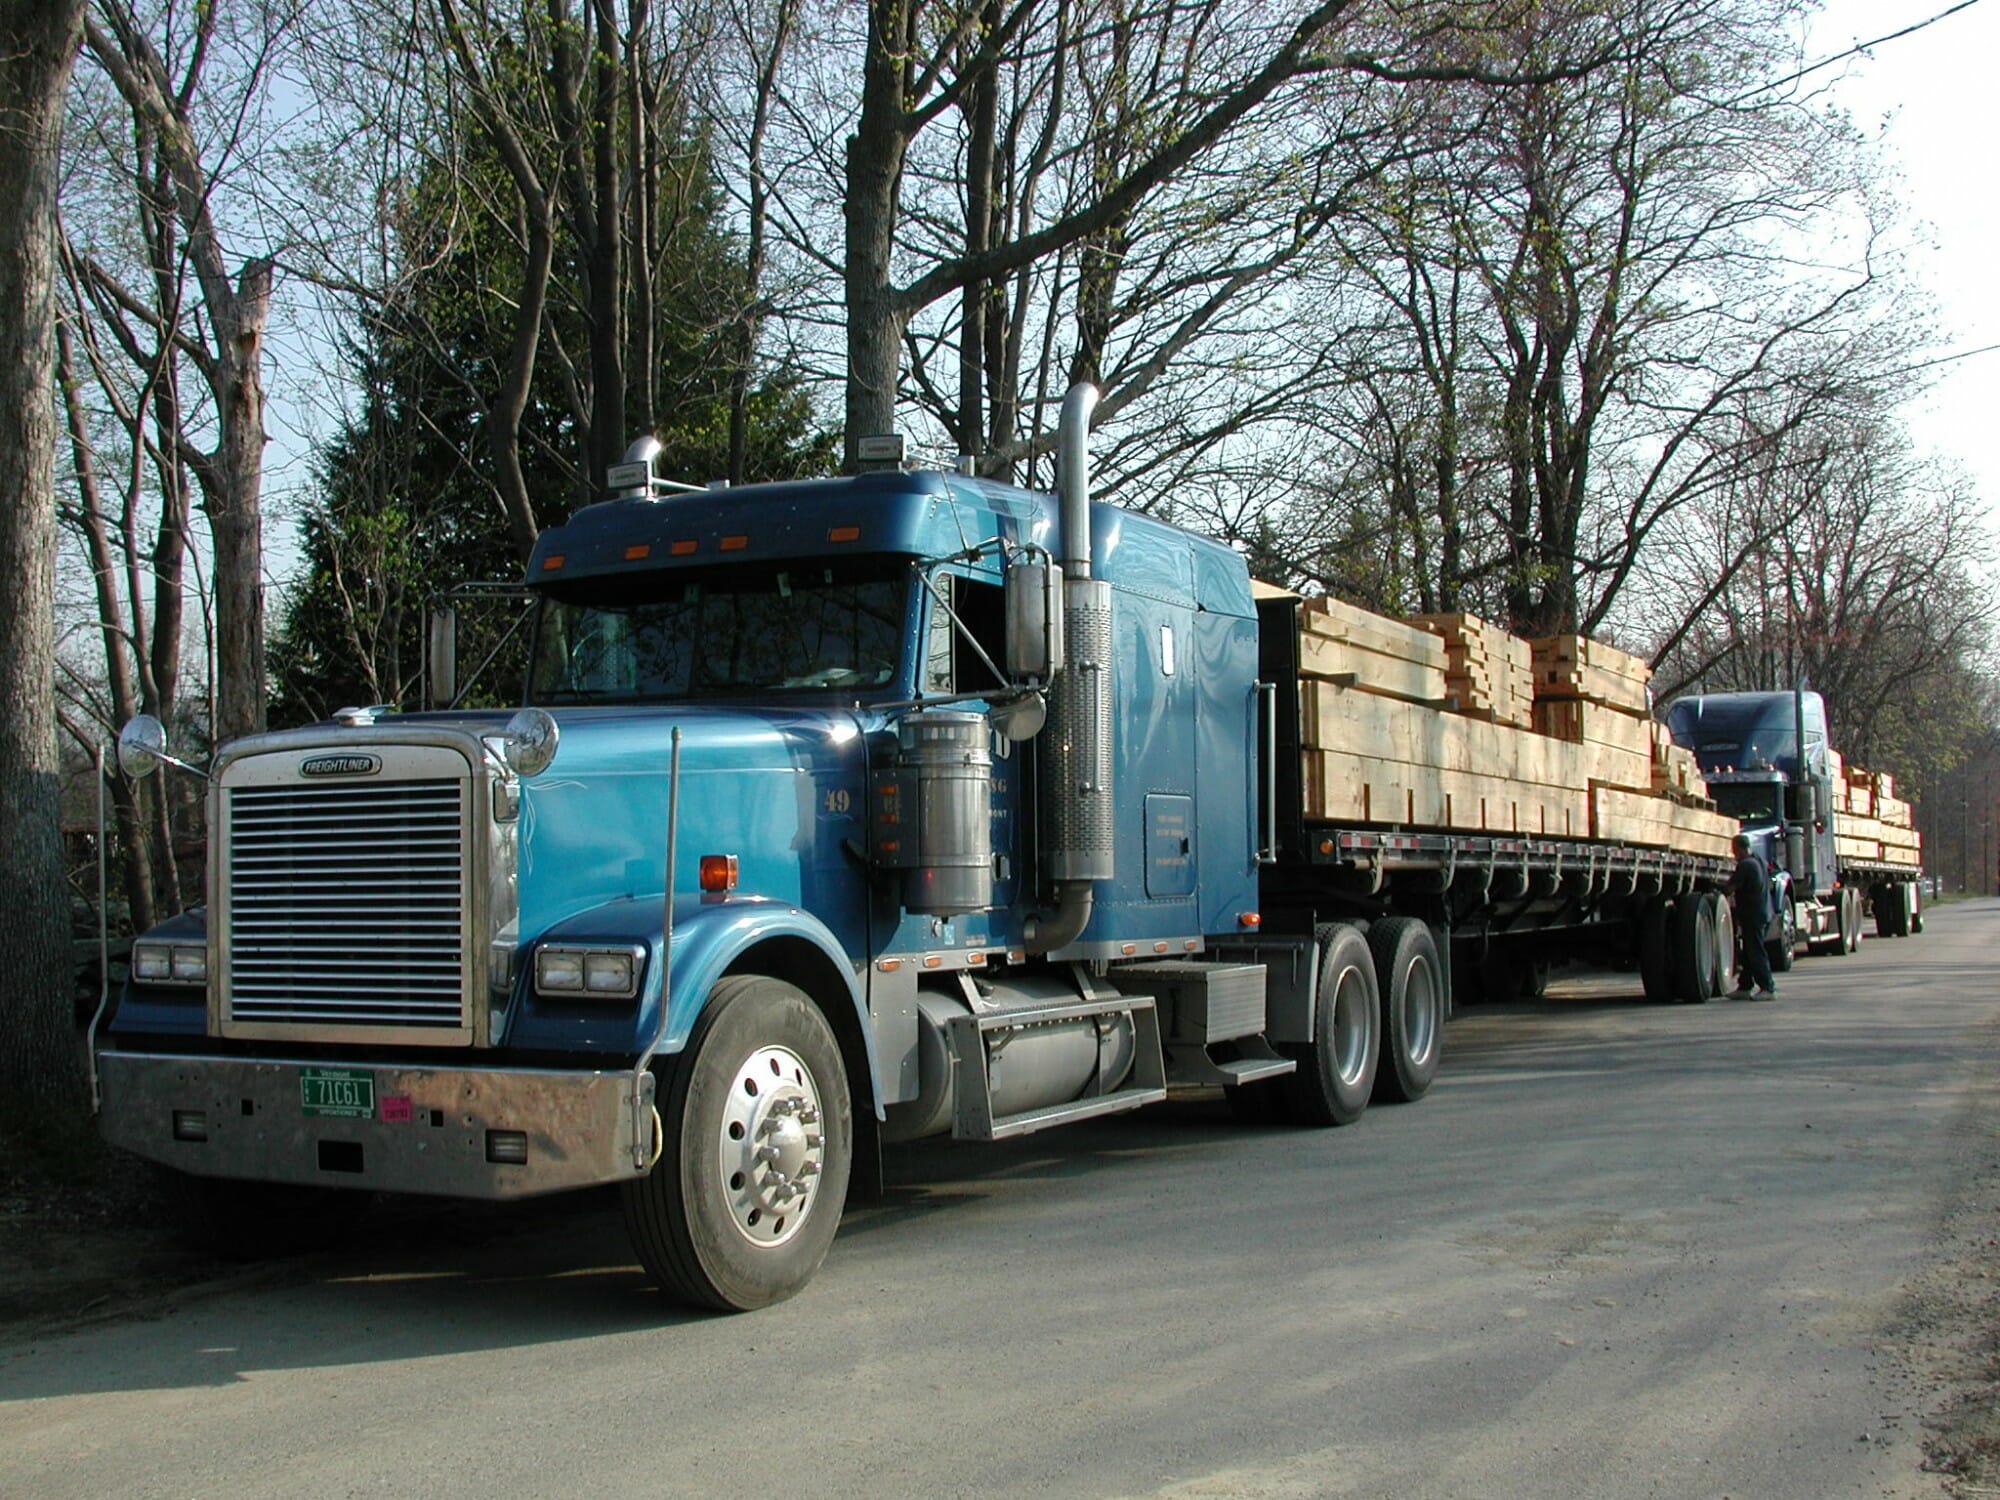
40, 1072
875, 152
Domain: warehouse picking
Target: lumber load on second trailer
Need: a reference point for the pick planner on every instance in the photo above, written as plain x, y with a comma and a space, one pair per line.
1385, 741
1871, 824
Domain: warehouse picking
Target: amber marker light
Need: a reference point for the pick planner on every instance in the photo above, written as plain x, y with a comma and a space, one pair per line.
718, 873
844, 534
553, 561
735, 543
1249, 919
682, 548
642, 550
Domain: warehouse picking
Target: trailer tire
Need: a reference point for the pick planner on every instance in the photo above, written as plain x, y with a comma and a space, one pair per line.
1691, 947
1336, 1070
1411, 983
1655, 973
1725, 946
1916, 906
761, 1068
1887, 900
1850, 918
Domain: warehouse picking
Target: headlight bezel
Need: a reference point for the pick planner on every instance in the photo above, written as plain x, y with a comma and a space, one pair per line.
590, 973
170, 965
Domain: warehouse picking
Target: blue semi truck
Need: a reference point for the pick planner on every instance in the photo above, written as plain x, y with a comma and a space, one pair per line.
837, 814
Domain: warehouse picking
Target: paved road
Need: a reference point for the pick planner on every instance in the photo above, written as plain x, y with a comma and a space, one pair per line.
1622, 1250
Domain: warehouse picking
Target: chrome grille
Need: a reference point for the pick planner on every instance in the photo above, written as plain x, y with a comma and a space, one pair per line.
346, 904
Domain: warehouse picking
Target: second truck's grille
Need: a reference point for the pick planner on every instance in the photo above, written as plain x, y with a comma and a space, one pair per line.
346, 904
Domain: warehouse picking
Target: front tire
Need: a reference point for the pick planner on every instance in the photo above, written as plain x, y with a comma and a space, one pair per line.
742, 1206
1411, 983
1336, 1071
1784, 948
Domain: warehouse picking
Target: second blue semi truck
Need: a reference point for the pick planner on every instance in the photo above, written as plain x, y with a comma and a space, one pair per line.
836, 814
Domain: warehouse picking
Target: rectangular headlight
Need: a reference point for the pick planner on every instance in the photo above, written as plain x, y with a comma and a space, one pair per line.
608, 974
556, 969
170, 963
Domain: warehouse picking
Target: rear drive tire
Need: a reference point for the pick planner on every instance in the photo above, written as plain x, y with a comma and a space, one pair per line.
1655, 973
742, 1206
1336, 1071
1411, 983
1850, 917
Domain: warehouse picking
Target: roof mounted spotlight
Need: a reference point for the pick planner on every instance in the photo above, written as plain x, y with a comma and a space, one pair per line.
878, 451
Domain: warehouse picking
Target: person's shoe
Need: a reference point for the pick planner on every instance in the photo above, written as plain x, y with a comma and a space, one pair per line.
1741, 992
1765, 995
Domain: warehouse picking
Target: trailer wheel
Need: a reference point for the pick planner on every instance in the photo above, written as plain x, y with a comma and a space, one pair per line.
742, 1206
1725, 946
1655, 924
1411, 983
1887, 900
1691, 947
1915, 897
1336, 1072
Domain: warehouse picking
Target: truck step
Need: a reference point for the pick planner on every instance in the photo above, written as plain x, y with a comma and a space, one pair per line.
974, 1117
1190, 1067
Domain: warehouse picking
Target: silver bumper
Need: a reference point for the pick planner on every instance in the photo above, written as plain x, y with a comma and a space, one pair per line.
427, 1130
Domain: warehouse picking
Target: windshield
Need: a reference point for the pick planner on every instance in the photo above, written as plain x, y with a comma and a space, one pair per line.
1747, 802
772, 627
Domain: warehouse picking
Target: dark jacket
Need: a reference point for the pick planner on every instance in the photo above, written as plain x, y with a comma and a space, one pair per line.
1750, 887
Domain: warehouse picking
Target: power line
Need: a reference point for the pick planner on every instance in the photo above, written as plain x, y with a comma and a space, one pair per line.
1859, 47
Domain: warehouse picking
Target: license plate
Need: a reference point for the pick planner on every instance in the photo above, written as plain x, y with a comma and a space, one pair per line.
342, 1093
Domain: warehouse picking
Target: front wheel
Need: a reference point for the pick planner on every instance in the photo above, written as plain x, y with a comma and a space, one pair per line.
758, 1142
1784, 948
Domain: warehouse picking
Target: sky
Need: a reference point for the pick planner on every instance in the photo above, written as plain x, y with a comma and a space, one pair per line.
1934, 97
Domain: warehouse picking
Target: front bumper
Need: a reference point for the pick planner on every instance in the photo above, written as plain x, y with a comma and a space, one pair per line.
429, 1130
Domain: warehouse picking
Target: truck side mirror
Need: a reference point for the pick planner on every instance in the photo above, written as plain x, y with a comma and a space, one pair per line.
1034, 621
441, 657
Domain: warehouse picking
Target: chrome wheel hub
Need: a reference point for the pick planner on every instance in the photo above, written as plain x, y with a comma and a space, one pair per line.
772, 1146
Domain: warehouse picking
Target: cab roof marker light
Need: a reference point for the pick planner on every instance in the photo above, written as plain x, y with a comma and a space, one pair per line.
638, 551
684, 547
735, 543
844, 534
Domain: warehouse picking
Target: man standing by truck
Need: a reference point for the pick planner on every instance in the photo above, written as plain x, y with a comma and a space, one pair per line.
1750, 888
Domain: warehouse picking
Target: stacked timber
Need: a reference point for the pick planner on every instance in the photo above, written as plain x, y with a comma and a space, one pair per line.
1489, 674
1356, 647
1448, 725
1643, 788
1871, 822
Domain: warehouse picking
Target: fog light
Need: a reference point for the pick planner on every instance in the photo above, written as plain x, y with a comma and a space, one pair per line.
507, 1148
190, 1124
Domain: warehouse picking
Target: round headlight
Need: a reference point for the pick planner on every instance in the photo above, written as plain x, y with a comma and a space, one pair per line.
529, 743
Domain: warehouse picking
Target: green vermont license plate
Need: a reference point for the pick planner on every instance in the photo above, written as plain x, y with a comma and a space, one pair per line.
343, 1093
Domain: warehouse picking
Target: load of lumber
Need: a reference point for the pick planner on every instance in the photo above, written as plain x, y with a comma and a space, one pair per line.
1871, 823
1453, 724
1489, 674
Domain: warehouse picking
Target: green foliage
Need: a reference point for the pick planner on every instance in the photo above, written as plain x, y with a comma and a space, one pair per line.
405, 506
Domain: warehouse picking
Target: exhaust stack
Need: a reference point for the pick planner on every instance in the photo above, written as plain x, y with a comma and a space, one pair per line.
1076, 766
